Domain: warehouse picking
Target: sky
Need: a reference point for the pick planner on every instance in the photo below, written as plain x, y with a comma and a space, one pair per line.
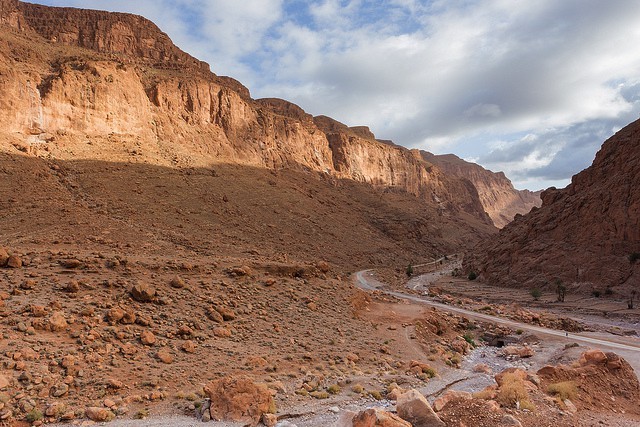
531, 88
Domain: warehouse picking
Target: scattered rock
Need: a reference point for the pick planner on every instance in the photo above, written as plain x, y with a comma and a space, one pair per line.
4, 382
71, 263
412, 406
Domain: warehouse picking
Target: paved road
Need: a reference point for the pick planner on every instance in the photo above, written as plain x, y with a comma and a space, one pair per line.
365, 280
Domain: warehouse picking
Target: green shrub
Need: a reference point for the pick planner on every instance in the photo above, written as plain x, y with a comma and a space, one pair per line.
34, 415
634, 256
469, 338
536, 293
472, 275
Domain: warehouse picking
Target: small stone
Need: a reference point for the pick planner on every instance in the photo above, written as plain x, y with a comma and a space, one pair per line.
4, 382
14, 261
57, 322
147, 338
189, 347
510, 420
269, 420
4, 256
177, 282
222, 332
59, 390
165, 356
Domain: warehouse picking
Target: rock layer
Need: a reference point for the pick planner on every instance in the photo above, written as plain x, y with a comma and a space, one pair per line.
110, 86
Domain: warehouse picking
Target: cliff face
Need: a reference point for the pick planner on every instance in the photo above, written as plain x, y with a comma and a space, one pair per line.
583, 235
87, 84
497, 194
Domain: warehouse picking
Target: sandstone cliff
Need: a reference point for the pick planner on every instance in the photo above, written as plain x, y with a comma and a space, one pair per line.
583, 235
497, 194
96, 85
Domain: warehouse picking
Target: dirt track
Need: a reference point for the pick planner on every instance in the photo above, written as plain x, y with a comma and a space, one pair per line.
629, 350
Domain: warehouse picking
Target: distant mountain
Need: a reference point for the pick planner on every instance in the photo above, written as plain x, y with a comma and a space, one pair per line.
586, 235
497, 194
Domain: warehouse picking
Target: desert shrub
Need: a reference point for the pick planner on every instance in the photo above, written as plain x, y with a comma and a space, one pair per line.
512, 391
563, 390
519, 331
596, 293
357, 388
608, 291
334, 389
536, 293
469, 338
472, 275
634, 256
34, 415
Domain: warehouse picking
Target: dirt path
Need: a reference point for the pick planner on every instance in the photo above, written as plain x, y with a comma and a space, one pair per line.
630, 350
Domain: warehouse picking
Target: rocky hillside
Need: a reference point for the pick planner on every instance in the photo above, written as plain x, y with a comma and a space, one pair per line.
586, 235
70, 75
498, 196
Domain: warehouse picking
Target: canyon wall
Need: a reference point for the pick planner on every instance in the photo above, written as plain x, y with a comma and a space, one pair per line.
497, 194
585, 235
89, 84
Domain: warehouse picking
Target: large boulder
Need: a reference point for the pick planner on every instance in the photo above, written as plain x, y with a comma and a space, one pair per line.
239, 399
4, 256
377, 417
413, 407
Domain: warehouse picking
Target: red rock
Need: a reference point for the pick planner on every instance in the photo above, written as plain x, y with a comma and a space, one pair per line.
142, 292
147, 338
99, 414
239, 399
593, 357
377, 417
413, 407
4, 256
14, 261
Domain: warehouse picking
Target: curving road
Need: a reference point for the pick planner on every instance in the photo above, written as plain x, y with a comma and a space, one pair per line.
365, 280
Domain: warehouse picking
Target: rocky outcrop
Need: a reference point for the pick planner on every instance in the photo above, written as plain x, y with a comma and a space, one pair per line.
497, 194
122, 34
584, 235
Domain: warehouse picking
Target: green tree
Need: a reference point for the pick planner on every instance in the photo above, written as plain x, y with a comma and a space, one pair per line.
409, 270
561, 290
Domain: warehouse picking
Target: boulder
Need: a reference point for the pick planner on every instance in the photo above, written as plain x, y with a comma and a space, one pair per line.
57, 322
14, 261
147, 337
4, 256
377, 417
239, 399
413, 407
142, 292
593, 357
97, 414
